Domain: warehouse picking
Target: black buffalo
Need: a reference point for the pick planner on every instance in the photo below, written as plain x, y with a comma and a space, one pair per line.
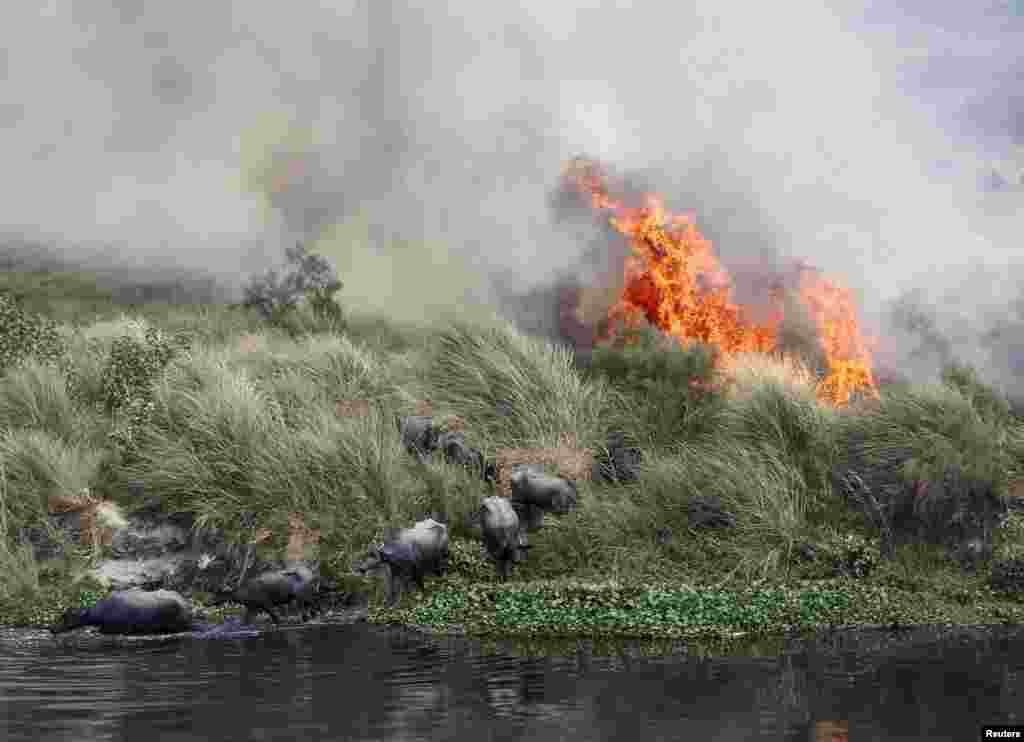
273, 589
406, 557
534, 493
502, 537
132, 612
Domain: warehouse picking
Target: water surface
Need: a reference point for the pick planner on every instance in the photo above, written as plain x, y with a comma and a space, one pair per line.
360, 682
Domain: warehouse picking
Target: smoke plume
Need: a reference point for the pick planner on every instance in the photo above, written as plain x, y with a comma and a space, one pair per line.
417, 145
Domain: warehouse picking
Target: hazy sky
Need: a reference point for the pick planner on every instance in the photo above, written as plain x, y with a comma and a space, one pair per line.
419, 142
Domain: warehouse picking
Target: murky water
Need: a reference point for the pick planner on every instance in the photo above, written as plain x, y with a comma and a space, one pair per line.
359, 682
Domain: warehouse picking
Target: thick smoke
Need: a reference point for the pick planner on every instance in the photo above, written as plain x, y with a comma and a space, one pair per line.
417, 144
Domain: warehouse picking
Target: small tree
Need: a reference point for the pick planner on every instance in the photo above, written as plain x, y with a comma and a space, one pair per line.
308, 277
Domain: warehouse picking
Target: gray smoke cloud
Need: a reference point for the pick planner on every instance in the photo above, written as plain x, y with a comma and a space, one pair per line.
417, 144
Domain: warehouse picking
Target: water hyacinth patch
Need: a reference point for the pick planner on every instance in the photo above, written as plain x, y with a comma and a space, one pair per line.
553, 609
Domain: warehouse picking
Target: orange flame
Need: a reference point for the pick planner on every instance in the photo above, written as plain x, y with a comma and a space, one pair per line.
674, 280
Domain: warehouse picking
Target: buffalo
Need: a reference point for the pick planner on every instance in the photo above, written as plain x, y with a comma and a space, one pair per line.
619, 462
132, 612
502, 537
419, 435
456, 451
406, 556
535, 493
274, 588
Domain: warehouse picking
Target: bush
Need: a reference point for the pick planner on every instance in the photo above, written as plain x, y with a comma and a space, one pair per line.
671, 388
308, 277
24, 335
133, 366
127, 382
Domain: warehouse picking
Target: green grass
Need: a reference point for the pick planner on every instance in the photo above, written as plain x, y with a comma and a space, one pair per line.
473, 370
221, 414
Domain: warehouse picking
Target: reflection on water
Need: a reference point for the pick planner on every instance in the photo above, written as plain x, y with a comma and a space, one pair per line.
361, 682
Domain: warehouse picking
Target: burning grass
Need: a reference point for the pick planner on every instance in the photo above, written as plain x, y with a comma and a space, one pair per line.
674, 281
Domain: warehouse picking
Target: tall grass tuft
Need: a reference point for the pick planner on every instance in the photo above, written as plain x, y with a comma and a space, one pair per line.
220, 446
767, 460
39, 466
749, 372
35, 395
19, 570
515, 390
773, 413
208, 427
319, 371
990, 404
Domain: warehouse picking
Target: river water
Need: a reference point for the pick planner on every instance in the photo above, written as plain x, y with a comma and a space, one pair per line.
361, 682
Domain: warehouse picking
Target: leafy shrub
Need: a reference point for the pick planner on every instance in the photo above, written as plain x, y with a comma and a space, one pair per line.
308, 277
133, 366
127, 381
24, 335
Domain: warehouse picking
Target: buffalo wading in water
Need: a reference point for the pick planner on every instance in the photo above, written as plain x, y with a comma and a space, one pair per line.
273, 589
132, 612
406, 557
502, 537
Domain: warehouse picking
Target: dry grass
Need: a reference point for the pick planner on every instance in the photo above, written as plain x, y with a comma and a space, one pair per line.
566, 458
745, 372
261, 536
303, 541
451, 424
252, 343
98, 518
352, 408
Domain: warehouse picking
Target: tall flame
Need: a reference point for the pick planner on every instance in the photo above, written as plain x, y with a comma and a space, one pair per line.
674, 280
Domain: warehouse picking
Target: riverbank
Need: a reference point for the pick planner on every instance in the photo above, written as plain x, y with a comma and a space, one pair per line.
281, 437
